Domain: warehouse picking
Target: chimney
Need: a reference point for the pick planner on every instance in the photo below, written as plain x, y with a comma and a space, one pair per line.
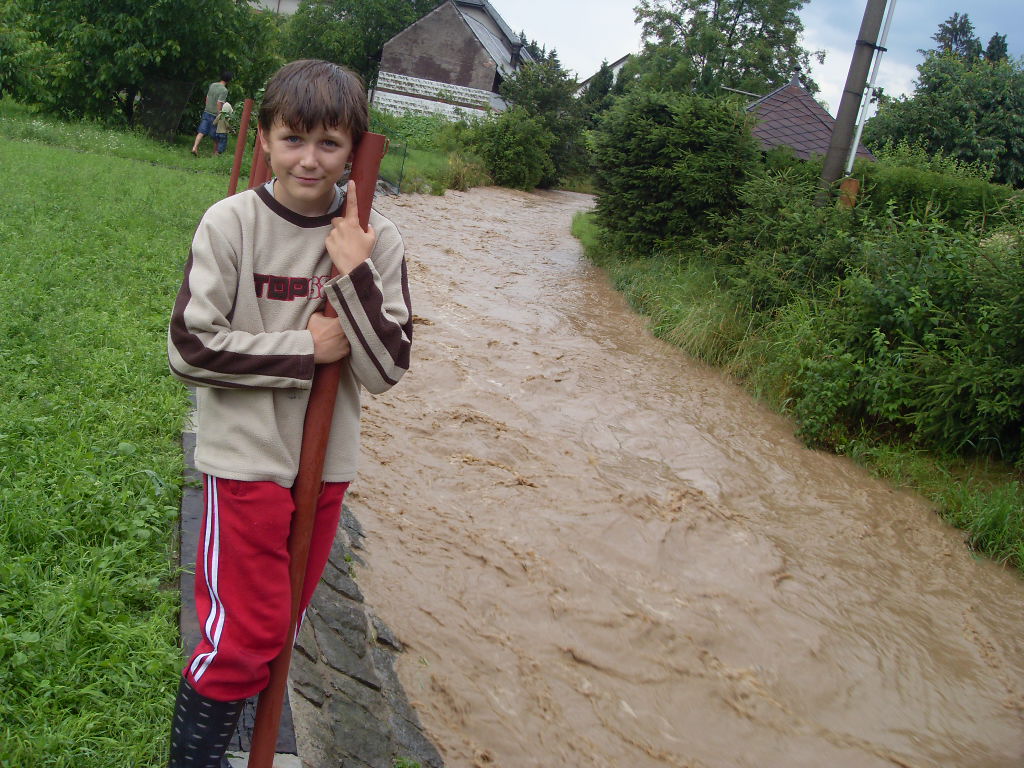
517, 50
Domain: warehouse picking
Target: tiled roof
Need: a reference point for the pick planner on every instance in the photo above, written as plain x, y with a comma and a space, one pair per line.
789, 116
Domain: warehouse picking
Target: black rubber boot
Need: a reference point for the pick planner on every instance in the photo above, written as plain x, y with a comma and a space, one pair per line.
201, 729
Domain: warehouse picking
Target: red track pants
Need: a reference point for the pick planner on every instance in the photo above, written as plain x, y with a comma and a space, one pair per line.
243, 595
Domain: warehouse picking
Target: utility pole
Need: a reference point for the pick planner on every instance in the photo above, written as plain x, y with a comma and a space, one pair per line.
865, 105
853, 93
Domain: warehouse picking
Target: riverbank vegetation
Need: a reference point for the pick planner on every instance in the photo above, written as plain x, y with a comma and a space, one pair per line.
890, 331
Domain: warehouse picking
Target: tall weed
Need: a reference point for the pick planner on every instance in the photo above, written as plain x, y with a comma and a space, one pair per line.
913, 155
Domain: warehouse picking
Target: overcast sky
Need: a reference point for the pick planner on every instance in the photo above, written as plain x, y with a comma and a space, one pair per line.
584, 32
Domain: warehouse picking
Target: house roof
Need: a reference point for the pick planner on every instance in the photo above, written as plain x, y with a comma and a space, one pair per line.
500, 46
789, 116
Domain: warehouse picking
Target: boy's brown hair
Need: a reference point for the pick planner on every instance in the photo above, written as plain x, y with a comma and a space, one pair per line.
309, 93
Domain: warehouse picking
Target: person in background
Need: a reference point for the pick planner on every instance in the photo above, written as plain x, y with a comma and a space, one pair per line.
222, 127
216, 95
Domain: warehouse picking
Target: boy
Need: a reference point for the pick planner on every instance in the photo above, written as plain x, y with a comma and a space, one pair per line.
221, 127
247, 329
216, 95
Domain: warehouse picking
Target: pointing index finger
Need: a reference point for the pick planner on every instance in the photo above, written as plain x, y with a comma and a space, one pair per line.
352, 204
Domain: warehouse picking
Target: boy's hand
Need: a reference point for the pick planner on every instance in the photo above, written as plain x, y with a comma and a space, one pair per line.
347, 244
329, 340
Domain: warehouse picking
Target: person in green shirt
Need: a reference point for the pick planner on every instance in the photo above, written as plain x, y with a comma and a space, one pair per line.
216, 95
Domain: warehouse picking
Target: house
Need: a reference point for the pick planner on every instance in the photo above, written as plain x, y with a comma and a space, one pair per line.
451, 61
287, 7
789, 116
616, 67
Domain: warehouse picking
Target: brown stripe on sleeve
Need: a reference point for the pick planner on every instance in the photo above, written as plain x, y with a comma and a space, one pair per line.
206, 382
362, 338
389, 332
194, 352
408, 303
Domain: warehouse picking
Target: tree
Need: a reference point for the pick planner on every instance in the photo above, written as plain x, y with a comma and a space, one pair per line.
596, 97
350, 32
546, 92
24, 59
698, 46
515, 147
956, 36
996, 50
255, 53
536, 50
969, 110
666, 162
108, 55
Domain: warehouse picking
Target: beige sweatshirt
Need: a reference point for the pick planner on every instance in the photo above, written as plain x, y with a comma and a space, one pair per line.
255, 274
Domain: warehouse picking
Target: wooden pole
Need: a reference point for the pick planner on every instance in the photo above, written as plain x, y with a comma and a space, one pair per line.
306, 489
243, 134
259, 170
848, 189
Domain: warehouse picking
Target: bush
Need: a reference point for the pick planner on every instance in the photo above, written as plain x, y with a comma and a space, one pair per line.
925, 337
26, 63
779, 244
418, 131
457, 135
959, 200
665, 163
515, 148
783, 159
546, 92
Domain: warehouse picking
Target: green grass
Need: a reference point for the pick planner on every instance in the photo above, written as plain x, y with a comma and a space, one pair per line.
584, 184
687, 307
984, 499
20, 123
424, 170
420, 170
93, 234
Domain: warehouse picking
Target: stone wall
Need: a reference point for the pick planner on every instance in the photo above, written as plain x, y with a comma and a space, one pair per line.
401, 94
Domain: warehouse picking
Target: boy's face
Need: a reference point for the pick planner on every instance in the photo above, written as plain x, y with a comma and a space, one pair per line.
307, 164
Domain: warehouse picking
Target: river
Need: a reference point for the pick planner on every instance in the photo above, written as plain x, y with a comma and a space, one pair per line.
600, 552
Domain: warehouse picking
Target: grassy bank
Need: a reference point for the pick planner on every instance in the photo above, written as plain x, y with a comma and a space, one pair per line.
93, 235
688, 306
21, 123
426, 154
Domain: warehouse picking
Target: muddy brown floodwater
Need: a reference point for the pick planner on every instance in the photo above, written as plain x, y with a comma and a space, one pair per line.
602, 553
